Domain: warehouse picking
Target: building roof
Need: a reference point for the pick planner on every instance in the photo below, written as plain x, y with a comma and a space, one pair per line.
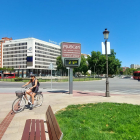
31, 38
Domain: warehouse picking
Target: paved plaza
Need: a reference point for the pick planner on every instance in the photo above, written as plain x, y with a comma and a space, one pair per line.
12, 125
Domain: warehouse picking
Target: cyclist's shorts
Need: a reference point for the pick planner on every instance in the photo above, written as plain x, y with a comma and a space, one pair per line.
35, 89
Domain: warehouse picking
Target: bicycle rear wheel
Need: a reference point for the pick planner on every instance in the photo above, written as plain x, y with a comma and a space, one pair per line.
18, 105
38, 100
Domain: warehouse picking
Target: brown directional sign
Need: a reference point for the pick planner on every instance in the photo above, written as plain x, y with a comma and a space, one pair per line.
70, 50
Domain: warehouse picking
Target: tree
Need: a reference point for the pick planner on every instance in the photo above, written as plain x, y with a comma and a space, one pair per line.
113, 63
83, 66
93, 61
120, 71
97, 62
59, 64
129, 71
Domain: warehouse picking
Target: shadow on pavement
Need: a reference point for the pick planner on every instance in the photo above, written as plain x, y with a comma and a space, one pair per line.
82, 93
58, 91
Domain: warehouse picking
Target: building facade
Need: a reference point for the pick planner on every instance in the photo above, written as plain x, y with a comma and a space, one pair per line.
135, 66
1, 50
30, 55
124, 68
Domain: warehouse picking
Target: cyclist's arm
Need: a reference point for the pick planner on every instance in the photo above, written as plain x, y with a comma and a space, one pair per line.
27, 83
35, 84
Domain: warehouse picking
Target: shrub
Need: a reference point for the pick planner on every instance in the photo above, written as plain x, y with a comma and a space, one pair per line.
18, 79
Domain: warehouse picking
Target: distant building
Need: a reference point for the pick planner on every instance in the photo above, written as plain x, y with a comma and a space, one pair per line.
30, 55
124, 68
1, 42
85, 55
134, 66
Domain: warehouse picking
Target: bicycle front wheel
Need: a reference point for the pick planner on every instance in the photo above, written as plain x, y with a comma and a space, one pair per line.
18, 105
38, 100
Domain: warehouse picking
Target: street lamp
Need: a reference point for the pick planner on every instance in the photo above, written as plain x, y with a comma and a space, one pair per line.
106, 34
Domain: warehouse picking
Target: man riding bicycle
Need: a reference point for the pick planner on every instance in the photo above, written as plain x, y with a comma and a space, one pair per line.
33, 90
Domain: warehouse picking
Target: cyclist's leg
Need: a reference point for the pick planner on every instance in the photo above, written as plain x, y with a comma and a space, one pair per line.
29, 93
34, 91
33, 94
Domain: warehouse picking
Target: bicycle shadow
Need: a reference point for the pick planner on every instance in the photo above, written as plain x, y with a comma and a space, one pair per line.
58, 91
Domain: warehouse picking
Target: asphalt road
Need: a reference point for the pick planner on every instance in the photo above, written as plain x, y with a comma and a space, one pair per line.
116, 85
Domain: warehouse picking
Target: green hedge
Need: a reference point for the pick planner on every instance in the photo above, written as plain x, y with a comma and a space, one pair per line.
18, 79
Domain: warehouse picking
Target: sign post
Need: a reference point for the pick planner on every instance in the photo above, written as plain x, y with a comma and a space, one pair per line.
68, 76
51, 67
71, 57
71, 81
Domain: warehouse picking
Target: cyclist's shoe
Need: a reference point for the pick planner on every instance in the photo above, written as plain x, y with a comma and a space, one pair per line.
31, 106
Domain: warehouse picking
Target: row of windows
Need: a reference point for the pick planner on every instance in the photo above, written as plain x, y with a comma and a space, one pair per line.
17, 66
46, 52
36, 66
22, 51
39, 44
13, 63
15, 59
43, 63
17, 44
38, 55
16, 48
41, 59
18, 55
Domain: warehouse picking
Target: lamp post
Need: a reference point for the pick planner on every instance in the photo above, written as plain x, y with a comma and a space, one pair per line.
106, 33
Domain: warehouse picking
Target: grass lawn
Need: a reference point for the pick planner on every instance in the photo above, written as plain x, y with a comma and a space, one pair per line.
101, 121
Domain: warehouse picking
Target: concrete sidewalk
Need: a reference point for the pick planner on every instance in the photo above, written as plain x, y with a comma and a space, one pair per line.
57, 100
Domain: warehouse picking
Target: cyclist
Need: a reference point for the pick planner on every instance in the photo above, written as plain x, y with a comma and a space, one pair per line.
33, 90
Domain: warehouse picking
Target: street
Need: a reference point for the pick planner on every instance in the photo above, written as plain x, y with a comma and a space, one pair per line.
116, 85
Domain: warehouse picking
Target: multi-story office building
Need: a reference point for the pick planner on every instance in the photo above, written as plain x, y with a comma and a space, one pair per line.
135, 66
30, 55
1, 42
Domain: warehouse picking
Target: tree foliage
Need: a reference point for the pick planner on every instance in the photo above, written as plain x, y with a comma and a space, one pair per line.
97, 62
6, 69
83, 66
129, 71
59, 64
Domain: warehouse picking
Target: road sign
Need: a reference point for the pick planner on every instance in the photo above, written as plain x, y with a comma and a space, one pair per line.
71, 51
51, 66
71, 57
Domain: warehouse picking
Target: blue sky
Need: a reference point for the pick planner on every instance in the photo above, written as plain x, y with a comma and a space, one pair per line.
81, 21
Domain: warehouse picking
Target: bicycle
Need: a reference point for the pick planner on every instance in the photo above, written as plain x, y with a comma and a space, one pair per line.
19, 103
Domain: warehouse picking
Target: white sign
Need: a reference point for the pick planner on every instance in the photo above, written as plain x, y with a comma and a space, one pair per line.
51, 66
103, 48
30, 48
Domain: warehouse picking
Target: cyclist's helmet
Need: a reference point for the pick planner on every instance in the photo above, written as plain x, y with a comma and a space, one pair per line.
32, 75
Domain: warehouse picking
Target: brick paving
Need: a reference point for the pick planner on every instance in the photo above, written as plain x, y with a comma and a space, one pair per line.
5, 123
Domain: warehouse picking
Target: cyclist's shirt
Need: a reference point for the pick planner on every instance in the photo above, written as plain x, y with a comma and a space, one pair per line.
33, 82
35, 89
